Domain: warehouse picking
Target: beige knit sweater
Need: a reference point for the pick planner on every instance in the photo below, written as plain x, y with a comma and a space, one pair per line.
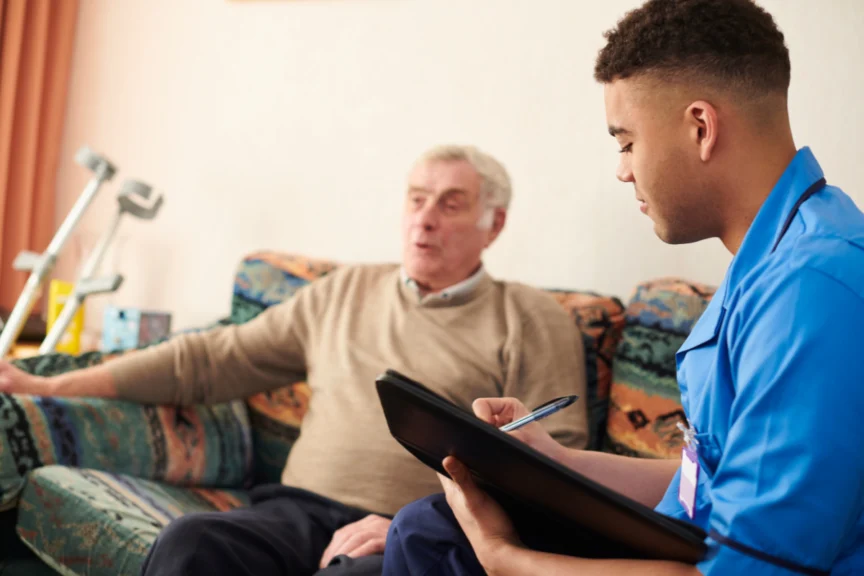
501, 339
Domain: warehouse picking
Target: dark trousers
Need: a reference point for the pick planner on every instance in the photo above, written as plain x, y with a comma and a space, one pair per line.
425, 539
284, 532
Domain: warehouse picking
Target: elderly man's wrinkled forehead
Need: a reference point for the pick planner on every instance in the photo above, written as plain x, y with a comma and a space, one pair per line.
440, 177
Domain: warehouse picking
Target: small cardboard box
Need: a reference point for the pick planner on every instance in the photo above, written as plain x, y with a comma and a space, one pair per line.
127, 328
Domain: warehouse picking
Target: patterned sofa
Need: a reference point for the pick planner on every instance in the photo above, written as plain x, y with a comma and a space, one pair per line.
86, 484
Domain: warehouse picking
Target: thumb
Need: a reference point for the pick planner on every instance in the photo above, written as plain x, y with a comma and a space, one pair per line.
460, 474
462, 478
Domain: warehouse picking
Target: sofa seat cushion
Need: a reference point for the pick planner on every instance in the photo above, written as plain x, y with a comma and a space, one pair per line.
645, 402
81, 521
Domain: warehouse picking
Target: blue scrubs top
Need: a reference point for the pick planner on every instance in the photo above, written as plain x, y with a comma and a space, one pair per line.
772, 378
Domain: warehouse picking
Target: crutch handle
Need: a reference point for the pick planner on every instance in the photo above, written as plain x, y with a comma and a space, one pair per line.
27, 261
95, 162
133, 189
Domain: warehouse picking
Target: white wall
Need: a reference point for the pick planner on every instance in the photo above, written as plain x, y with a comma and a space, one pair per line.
290, 125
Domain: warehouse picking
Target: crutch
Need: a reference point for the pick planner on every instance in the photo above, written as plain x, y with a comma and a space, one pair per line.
41, 265
128, 203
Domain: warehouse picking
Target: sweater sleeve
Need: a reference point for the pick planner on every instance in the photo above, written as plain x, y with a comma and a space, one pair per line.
227, 363
547, 360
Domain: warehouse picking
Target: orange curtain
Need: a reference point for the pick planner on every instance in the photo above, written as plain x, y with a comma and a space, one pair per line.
36, 39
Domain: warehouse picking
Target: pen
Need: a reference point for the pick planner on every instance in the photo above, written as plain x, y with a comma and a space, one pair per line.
540, 412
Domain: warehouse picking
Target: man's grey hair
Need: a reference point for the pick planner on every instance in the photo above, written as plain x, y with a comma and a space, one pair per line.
496, 187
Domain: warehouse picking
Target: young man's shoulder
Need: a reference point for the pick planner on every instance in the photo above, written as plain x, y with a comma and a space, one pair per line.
831, 243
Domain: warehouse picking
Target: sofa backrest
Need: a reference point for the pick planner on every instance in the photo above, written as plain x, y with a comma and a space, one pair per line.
645, 401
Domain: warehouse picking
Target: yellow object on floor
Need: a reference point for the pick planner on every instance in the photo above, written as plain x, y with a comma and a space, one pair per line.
58, 293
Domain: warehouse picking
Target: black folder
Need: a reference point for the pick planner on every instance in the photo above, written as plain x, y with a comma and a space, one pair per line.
554, 509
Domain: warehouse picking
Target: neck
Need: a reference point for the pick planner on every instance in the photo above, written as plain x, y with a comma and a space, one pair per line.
432, 285
757, 172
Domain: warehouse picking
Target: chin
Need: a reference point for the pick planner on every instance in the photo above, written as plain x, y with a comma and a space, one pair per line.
419, 270
676, 237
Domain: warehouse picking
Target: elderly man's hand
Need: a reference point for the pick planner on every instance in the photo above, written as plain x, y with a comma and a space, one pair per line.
482, 519
362, 538
15, 381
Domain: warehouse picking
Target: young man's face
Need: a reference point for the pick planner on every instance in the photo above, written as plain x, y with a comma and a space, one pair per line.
659, 157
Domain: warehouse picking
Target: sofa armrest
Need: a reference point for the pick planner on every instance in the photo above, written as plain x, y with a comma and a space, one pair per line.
192, 446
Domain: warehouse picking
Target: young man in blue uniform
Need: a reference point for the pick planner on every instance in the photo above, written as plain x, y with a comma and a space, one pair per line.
770, 377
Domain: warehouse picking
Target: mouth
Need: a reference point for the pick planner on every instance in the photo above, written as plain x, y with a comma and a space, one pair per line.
643, 205
425, 246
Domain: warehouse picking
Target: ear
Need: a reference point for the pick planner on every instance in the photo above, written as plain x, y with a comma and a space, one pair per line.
498, 222
704, 125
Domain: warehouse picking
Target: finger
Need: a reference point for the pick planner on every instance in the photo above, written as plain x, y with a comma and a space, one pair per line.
352, 543
495, 411
447, 484
455, 469
484, 410
373, 546
499, 411
339, 538
471, 494
459, 473
464, 490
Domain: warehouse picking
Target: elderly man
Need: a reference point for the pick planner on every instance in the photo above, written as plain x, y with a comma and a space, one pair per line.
438, 318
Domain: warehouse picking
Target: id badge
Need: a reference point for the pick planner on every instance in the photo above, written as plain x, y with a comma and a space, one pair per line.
689, 481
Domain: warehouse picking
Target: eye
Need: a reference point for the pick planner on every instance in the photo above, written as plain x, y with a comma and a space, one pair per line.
626, 149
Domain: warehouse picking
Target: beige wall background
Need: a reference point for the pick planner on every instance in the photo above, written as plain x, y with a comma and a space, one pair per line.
290, 125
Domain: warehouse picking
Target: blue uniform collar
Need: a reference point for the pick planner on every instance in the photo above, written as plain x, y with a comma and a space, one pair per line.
801, 173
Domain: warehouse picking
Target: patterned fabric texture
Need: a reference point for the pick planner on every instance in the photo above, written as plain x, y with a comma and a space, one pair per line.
87, 522
199, 445
266, 279
601, 321
645, 402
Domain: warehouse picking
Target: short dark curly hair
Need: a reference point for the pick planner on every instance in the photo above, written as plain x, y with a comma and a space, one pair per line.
726, 43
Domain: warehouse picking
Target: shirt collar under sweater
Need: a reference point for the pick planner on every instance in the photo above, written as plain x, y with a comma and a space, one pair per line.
451, 295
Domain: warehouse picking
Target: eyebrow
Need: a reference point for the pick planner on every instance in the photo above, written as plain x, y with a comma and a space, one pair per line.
448, 192
616, 130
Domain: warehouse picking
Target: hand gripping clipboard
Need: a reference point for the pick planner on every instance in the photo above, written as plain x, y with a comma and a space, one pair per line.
553, 508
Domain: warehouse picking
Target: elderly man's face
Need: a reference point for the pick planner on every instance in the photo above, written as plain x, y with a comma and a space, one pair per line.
443, 238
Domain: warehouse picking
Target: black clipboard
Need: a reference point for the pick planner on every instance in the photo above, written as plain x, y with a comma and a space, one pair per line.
553, 508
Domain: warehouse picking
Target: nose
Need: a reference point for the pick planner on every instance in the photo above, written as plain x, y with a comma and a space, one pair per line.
428, 217
624, 173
